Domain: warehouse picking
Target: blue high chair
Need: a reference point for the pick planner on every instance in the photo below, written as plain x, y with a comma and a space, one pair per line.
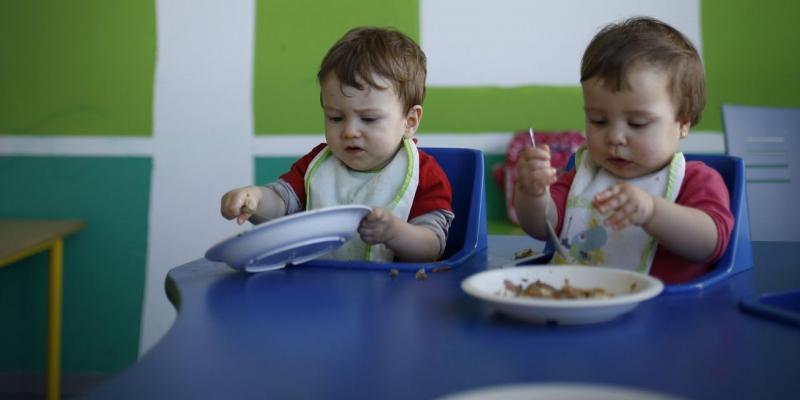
468, 233
739, 254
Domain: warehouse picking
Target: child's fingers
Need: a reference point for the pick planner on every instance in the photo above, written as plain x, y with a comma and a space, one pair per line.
369, 232
534, 181
246, 210
620, 218
608, 200
230, 205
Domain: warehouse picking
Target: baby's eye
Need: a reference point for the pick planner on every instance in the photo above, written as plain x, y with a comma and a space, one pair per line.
637, 124
334, 118
597, 121
369, 119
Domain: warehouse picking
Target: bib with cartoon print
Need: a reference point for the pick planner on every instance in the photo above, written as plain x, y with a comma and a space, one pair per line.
329, 182
583, 232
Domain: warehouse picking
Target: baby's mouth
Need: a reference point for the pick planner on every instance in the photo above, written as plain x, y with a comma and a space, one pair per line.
620, 162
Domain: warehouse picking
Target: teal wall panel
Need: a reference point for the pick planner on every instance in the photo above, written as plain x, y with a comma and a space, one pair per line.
103, 264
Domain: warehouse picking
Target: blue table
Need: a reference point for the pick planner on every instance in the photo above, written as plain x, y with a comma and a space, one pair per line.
330, 333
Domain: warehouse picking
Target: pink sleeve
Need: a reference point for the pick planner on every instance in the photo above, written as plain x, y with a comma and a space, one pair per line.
559, 192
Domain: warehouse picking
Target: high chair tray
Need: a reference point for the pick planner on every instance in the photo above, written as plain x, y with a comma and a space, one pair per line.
779, 306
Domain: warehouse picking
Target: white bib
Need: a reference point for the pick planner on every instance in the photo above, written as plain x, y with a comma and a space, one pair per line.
329, 182
583, 231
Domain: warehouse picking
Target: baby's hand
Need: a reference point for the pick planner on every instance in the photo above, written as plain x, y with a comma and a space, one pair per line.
240, 203
534, 172
625, 204
378, 226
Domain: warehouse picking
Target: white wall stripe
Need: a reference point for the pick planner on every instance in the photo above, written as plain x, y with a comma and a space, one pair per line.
524, 42
202, 129
295, 145
75, 146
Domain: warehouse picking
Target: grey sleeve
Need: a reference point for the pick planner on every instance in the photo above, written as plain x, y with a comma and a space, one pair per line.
439, 222
287, 194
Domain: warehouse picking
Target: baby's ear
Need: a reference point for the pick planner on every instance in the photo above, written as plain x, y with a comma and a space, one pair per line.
684, 128
413, 119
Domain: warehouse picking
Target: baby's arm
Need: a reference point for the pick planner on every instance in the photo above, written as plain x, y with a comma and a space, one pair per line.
409, 242
259, 202
534, 175
686, 231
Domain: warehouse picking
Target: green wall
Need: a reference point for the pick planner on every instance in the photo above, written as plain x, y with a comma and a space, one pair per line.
292, 36
77, 67
750, 54
747, 49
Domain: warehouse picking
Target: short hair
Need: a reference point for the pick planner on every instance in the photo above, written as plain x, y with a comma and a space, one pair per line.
365, 51
634, 42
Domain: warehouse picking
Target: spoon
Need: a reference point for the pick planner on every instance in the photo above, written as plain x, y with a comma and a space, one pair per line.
551, 233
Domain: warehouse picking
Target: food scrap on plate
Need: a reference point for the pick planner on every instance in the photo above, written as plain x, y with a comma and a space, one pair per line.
540, 289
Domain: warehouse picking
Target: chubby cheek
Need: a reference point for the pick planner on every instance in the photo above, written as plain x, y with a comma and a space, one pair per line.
596, 149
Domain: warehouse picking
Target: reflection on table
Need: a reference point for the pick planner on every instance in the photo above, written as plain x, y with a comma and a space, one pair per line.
332, 333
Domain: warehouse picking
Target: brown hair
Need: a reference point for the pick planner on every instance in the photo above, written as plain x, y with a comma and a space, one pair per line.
365, 51
643, 41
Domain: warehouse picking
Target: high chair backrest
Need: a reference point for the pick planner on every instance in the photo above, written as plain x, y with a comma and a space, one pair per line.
468, 233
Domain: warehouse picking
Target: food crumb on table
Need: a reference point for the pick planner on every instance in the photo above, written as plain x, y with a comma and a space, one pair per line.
394, 272
421, 275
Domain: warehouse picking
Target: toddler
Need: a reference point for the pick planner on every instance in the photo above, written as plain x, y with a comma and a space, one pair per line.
372, 85
632, 201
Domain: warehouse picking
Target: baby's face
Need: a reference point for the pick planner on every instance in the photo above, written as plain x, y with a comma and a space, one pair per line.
632, 132
364, 128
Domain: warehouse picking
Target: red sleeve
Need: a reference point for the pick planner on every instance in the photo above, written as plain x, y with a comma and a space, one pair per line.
434, 191
295, 177
704, 189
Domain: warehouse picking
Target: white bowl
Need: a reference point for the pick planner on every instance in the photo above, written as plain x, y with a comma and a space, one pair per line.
628, 289
294, 239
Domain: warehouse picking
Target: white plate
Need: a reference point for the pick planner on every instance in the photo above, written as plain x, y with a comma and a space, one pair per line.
629, 289
294, 239
557, 391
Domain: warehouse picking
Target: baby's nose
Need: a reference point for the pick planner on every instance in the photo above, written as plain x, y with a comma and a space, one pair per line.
350, 129
616, 135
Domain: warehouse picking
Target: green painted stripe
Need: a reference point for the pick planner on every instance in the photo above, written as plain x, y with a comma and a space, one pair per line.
766, 166
757, 181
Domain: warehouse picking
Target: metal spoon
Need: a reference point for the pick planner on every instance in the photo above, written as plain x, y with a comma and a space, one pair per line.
551, 233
